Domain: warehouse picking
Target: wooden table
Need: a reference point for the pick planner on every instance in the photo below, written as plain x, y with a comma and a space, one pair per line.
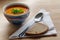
53, 6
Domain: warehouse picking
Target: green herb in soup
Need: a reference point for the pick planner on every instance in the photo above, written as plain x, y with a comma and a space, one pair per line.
15, 11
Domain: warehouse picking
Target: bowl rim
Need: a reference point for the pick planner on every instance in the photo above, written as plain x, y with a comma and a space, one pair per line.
15, 3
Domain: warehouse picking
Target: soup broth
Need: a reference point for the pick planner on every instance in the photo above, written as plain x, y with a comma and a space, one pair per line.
16, 10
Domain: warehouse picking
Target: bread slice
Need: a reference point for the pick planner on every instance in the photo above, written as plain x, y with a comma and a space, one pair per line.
37, 29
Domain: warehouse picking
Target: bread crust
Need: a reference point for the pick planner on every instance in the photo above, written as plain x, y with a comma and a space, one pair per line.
37, 29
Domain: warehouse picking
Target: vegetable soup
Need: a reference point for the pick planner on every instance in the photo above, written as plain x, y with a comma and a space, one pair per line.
16, 10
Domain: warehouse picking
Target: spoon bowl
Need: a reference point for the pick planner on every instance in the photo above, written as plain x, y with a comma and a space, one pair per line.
38, 17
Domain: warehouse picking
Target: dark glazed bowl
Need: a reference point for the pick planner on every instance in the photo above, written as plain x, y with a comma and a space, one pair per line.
19, 19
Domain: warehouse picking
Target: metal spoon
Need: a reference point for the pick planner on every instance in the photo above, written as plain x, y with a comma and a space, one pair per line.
38, 18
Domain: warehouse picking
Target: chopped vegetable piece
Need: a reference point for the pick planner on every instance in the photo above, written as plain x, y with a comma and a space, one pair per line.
15, 11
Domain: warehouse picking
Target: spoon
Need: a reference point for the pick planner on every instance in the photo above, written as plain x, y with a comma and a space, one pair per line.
39, 17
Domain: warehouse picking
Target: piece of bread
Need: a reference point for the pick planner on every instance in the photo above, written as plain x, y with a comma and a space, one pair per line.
37, 29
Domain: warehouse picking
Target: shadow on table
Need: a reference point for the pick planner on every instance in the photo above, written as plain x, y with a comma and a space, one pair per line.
34, 38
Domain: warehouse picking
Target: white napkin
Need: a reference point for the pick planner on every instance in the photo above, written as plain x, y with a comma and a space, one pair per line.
46, 20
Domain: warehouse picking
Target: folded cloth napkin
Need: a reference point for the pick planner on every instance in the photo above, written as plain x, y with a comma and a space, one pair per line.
46, 20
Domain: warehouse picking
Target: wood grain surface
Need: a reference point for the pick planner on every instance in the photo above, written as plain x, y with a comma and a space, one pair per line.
53, 6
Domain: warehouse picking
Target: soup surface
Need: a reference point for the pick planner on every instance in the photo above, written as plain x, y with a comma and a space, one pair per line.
16, 10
